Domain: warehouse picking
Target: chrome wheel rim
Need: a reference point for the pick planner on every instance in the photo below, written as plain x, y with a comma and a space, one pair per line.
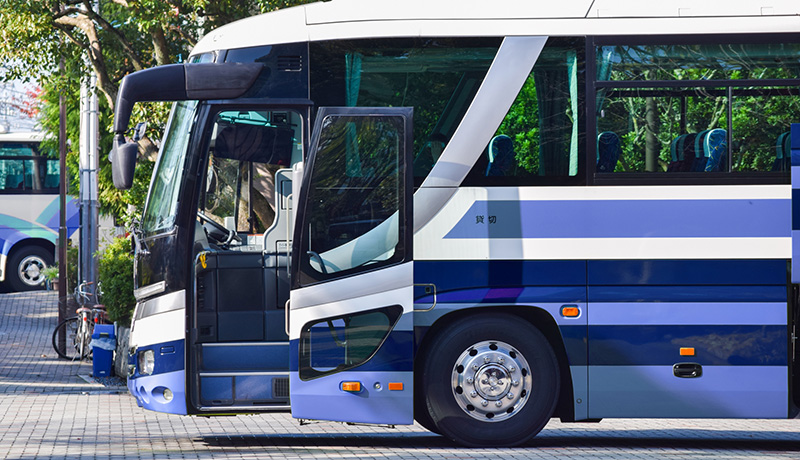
491, 381
30, 270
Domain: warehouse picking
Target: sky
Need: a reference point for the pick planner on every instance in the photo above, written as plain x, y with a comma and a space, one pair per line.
14, 95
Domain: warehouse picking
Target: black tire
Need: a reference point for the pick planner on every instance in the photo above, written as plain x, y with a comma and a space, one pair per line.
24, 268
421, 414
490, 380
69, 327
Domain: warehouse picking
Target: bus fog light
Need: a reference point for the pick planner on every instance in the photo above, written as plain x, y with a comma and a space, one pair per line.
147, 361
168, 394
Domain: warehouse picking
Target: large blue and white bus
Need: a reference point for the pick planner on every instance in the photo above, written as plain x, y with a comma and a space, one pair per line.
29, 216
476, 216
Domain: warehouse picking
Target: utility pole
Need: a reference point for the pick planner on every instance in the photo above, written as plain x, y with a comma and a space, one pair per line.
62, 207
89, 150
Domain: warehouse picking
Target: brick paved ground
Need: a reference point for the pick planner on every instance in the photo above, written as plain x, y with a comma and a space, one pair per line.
48, 411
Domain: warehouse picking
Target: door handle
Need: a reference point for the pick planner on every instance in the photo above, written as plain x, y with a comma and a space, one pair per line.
687, 370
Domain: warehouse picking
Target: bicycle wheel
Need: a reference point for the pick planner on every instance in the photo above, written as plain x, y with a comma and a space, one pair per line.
75, 339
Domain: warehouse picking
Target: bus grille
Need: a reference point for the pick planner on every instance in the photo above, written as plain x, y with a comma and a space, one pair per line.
280, 387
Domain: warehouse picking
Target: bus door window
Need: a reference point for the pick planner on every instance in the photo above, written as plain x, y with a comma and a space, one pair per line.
247, 148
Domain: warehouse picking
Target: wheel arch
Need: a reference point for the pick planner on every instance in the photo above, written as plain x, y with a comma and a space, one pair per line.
40, 242
538, 318
21, 245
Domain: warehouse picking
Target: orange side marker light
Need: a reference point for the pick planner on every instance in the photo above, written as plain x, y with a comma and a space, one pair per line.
395, 386
570, 311
687, 351
353, 387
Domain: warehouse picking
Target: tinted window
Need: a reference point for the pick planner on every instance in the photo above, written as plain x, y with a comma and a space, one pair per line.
437, 77
246, 149
354, 215
540, 140
693, 107
23, 169
336, 344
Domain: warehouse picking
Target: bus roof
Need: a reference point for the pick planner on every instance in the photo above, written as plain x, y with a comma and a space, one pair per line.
339, 19
22, 137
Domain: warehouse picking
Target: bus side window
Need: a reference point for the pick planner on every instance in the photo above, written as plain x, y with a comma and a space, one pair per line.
540, 140
696, 106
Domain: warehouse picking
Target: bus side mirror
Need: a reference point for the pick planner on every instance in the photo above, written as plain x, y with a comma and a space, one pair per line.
123, 162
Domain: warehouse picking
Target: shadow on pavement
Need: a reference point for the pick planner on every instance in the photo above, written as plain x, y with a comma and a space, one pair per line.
694, 440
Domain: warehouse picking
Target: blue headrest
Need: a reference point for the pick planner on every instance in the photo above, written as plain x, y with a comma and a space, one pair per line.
608, 150
501, 154
715, 149
783, 152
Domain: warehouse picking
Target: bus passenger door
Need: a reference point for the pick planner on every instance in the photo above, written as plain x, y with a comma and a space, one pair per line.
351, 325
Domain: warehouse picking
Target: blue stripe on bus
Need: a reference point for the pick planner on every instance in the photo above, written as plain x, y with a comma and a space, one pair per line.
687, 294
795, 209
456, 274
169, 356
795, 144
508, 295
686, 272
50, 218
625, 219
754, 345
689, 313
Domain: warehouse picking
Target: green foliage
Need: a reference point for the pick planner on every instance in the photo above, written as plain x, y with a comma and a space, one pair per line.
125, 36
522, 123
50, 272
115, 274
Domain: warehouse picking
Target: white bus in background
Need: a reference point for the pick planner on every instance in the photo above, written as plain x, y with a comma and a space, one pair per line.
29, 210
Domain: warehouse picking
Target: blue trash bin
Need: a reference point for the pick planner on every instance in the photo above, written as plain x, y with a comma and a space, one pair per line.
103, 338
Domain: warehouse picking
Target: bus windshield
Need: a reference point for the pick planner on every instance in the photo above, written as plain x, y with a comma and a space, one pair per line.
159, 213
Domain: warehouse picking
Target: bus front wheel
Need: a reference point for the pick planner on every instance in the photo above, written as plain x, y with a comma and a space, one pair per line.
24, 269
490, 380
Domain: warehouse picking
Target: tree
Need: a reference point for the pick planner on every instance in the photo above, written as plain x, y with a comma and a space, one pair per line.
109, 38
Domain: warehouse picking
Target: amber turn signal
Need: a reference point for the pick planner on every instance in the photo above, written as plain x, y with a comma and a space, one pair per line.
570, 311
353, 387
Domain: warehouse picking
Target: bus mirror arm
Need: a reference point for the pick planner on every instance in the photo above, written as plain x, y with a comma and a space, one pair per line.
173, 82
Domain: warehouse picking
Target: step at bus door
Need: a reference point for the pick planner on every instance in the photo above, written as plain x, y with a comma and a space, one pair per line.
351, 305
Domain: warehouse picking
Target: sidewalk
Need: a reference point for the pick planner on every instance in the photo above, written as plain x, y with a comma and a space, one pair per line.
47, 411
28, 363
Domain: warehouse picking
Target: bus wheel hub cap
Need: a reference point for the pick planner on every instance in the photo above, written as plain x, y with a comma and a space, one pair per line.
491, 381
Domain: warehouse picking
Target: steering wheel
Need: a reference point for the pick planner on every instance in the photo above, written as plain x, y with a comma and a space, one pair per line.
222, 234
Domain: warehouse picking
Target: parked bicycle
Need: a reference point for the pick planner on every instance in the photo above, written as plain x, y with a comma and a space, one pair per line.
78, 329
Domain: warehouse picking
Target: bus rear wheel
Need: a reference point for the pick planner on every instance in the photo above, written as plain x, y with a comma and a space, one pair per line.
490, 380
25, 268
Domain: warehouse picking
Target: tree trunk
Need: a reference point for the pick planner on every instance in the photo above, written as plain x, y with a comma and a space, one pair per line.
651, 140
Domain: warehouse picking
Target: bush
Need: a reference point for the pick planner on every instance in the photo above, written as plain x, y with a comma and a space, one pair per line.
115, 274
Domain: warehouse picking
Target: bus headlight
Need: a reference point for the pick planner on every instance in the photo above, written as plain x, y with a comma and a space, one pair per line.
147, 361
